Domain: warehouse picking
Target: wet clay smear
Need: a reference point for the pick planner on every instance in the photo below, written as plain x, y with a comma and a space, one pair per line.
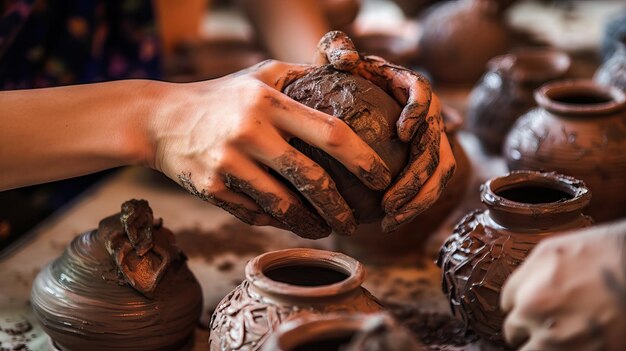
19, 332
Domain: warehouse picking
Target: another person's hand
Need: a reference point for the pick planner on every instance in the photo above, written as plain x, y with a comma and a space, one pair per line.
431, 164
570, 293
222, 139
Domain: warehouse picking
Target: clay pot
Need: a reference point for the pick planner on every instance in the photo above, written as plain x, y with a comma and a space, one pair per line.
613, 71
505, 92
460, 37
486, 246
283, 285
405, 244
90, 299
356, 332
579, 129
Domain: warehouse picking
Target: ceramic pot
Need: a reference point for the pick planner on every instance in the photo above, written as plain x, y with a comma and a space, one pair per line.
613, 71
486, 246
579, 129
505, 92
355, 332
459, 38
91, 299
405, 244
283, 285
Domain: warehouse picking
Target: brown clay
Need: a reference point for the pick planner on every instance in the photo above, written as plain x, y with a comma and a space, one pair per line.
284, 285
579, 129
486, 246
613, 71
505, 92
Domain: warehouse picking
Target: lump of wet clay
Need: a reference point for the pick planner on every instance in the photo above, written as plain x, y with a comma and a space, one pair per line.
371, 113
124, 286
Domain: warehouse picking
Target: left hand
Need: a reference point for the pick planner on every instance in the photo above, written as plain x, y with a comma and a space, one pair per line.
431, 163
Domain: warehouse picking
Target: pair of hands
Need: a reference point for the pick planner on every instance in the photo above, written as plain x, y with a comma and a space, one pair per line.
570, 293
230, 132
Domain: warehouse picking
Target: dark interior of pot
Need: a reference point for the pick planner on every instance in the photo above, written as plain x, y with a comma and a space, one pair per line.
582, 98
303, 274
335, 343
534, 194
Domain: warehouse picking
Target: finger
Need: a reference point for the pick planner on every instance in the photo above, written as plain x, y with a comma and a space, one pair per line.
337, 49
429, 193
278, 74
423, 162
308, 178
333, 136
275, 199
516, 331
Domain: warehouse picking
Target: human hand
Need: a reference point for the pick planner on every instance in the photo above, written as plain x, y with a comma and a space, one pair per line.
570, 293
221, 139
431, 163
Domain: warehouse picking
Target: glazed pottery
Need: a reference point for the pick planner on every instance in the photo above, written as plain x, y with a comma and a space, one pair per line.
486, 246
459, 38
124, 286
406, 243
283, 285
354, 332
579, 129
613, 71
505, 92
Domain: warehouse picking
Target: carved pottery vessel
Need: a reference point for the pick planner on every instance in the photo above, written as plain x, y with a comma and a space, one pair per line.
486, 246
505, 92
355, 332
283, 285
613, 71
405, 244
460, 37
579, 129
124, 286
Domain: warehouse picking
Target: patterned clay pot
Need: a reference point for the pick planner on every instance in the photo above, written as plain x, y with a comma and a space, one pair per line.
284, 285
579, 129
505, 92
405, 244
355, 332
486, 246
613, 71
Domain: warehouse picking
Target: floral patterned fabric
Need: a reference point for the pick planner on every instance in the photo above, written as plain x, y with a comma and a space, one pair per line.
60, 42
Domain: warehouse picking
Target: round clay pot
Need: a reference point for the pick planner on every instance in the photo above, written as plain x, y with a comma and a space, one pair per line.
613, 71
355, 332
505, 92
486, 246
459, 38
579, 129
406, 243
85, 301
283, 285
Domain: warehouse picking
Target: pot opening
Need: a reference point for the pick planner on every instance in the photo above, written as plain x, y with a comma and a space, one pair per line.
534, 194
302, 274
333, 343
587, 98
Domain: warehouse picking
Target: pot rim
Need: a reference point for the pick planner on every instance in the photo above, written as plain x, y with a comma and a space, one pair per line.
554, 63
581, 195
544, 96
311, 257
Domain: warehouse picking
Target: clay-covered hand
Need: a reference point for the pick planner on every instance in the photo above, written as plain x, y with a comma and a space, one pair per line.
431, 163
226, 141
570, 293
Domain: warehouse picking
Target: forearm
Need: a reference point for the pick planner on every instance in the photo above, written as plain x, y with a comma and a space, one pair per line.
58, 133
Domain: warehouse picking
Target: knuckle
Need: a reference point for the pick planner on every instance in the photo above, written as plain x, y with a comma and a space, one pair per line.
335, 132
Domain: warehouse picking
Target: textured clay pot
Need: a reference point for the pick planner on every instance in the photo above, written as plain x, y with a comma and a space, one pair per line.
613, 71
486, 246
579, 129
505, 92
110, 291
284, 285
460, 37
355, 332
405, 244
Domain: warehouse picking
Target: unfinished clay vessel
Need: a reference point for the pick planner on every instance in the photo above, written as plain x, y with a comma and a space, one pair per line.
124, 286
371, 113
505, 92
523, 208
460, 37
579, 129
354, 332
406, 243
283, 285
613, 71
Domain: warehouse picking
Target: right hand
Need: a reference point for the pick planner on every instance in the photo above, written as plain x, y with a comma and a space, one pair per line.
219, 139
